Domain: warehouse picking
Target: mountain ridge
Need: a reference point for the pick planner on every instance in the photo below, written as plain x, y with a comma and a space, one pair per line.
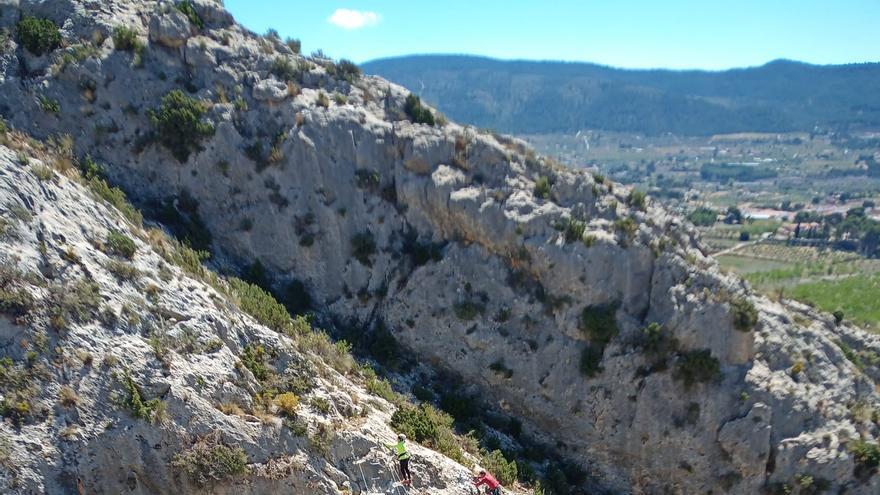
548, 96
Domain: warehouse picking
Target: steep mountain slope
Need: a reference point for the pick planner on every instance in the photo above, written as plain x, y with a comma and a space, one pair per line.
127, 369
564, 300
544, 97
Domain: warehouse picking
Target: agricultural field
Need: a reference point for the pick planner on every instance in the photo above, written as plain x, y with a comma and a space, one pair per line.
829, 280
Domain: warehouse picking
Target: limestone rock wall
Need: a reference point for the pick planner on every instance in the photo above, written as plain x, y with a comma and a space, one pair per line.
507, 287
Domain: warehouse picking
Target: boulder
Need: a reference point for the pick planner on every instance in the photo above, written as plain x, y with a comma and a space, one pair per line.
170, 29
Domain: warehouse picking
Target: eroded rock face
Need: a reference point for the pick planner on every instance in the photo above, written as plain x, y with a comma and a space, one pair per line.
347, 196
90, 442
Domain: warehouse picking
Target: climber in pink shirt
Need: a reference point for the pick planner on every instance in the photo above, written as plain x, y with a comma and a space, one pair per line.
484, 478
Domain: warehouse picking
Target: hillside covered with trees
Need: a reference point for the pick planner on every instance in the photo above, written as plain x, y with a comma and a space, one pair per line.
548, 97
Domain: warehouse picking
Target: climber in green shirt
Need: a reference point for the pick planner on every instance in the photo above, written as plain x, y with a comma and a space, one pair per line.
403, 457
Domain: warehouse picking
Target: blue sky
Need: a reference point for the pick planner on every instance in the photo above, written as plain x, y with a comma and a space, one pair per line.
705, 34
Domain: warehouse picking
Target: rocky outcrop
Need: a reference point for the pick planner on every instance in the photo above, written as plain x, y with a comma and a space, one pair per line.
143, 329
482, 258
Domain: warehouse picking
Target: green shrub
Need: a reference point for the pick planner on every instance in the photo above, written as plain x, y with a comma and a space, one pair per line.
322, 439
697, 367
591, 360
838, 316
210, 461
178, 124
126, 39
15, 301
348, 70
116, 198
77, 302
261, 305
255, 359
48, 104
321, 405
367, 179
187, 7
134, 403
380, 388
18, 389
287, 404
626, 226
599, 323
294, 44
542, 187
363, 247
123, 270
637, 200
322, 100
39, 36
703, 217
467, 310
284, 69
744, 314
866, 453
574, 230
120, 244
428, 426
504, 471
658, 344
416, 112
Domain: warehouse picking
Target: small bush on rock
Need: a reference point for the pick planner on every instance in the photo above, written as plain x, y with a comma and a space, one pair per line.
120, 244
627, 227
348, 70
698, 367
866, 453
428, 426
255, 359
126, 39
147, 410
39, 36
284, 69
468, 310
77, 301
637, 200
658, 344
744, 314
574, 230
416, 112
542, 187
210, 461
15, 300
48, 104
294, 44
178, 124
287, 404
599, 323
187, 7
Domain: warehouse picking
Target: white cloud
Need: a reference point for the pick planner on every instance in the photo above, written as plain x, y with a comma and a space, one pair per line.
354, 19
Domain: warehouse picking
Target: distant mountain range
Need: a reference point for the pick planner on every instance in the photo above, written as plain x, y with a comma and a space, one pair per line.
545, 97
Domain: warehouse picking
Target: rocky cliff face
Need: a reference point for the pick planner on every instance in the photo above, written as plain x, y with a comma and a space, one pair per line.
564, 299
125, 369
